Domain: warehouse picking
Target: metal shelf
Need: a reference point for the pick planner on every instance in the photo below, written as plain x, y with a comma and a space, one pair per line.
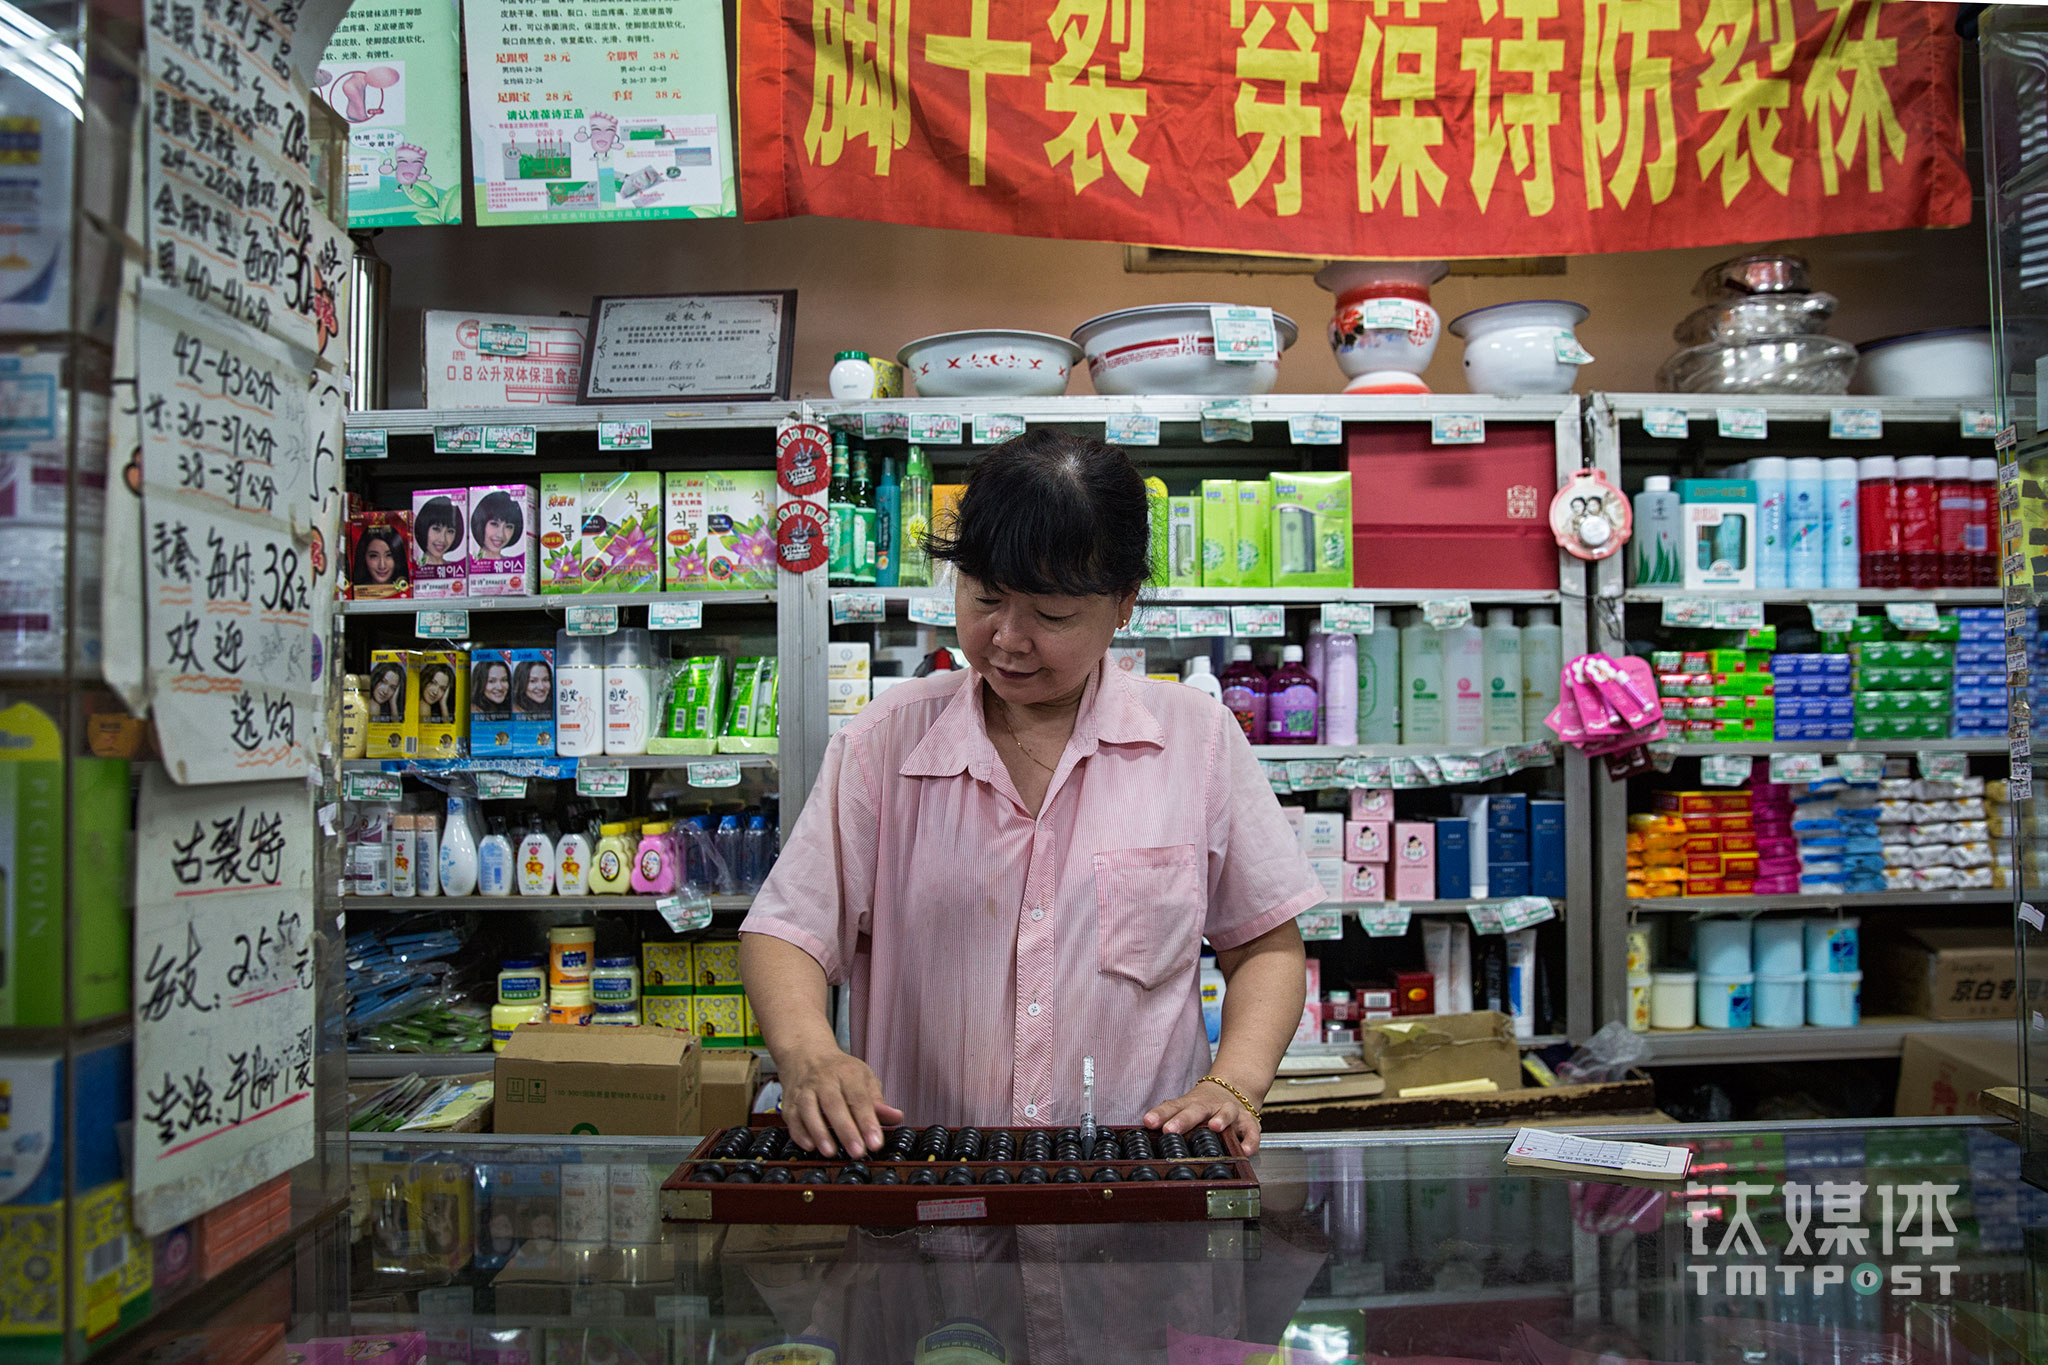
1452, 907
385, 1066
1262, 597
1629, 407
1867, 900
1312, 751
406, 606
1799, 597
436, 767
1872, 1038
1435, 1298
1765, 748
726, 904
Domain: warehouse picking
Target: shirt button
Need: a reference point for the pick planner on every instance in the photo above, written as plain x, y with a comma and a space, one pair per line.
1033, 1010
1030, 1111
1038, 912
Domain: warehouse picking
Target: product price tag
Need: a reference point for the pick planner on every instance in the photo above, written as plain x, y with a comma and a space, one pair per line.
1569, 352
1668, 423
722, 773
1457, 429
1742, 424
1374, 771
369, 786
1244, 335
1860, 767
675, 615
2020, 747
492, 786
2021, 788
1833, 617
1203, 623
857, 608
1724, 770
1913, 615
1227, 419
1131, 429
884, 425
1389, 315
1448, 613
625, 436
366, 445
2018, 623
1255, 622
1316, 429
685, 914
501, 338
933, 611
443, 623
1687, 611
2033, 918
2015, 662
1979, 424
1385, 921
1855, 424
1354, 617
1526, 912
1321, 926
593, 620
994, 428
1311, 774
1541, 754
1485, 917
1455, 769
1738, 615
1795, 768
2007, 439
935, 428
1154, 623
1495, 763
454, 440
2016, 569
1945, 767
605, 779
2009, 473
2009, 498
510, 441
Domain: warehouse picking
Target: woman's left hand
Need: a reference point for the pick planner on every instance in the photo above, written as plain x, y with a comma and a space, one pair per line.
1208, 1103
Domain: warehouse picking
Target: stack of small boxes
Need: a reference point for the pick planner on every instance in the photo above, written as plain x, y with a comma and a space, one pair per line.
1814, 697
1777, 847
1903, 688
1937, 835
1368, 847
1980, 695
1371, 856
1836, 826
696, 986
1695, 843
1723, 695
848, 688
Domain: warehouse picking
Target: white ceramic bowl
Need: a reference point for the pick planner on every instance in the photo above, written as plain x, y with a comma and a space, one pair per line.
989, 364
1171, 348
1512, 348
1952, 363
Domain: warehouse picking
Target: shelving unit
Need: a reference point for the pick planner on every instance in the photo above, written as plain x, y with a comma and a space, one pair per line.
406, 606
1869, 900
1874, 1037
529, 904
1788, 597
1761, 749
636, 762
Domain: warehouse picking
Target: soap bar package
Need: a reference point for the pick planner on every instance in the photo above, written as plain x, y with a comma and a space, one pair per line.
533, 703
1219, 534
442, 686
719, 529
504, 522
561, 533
392, 730
379, 556
1311, 530
1720, 532
1254, 533
440, 543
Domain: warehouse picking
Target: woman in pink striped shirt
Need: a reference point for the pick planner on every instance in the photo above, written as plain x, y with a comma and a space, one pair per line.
1014, 866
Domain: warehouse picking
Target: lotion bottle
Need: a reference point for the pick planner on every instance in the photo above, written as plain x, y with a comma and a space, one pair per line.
1464, 685
535, 869
1542, 661
1422, 682
1340, 688
1199, 676
1656, 546
494, 862
628, 692
458, 859
1379, 681
579, 695
1503, 646
572, 858
1293, 713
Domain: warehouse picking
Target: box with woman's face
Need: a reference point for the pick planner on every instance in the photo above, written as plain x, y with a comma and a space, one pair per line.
440, 542
443, 692
504, 524
380, 555
533, 703
392, 730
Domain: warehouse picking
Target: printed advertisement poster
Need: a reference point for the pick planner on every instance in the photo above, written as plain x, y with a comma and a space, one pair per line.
392, 71
598, 112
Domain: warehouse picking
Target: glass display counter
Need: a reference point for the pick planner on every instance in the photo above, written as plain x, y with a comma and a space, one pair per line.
1824, 1242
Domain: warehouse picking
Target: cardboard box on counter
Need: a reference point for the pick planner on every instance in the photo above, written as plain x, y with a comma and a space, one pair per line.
1942, 973
731, 1079
1444, 1049
1945, 1075
618, 1082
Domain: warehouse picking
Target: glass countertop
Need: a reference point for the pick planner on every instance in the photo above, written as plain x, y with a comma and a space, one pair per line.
1865, 1242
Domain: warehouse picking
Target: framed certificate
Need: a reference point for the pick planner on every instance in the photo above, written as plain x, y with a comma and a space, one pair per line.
728, 347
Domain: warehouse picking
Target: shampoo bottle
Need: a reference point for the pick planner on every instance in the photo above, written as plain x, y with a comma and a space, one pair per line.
914, 569
1841, 555
572, 858
1379, 681
1656, 543
1503, 645
1805, 523
458, 857
1200, 676
1340, 689
1244, 693
404, 871
628, 692
1422, 682
535, 865
1464, 685
579, 695
1769, 473
1542, 661
494, 862
1292, 708
888, 522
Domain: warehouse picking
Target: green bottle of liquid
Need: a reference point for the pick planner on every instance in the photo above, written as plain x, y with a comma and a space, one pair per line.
888, 526
863, 498
839, 503
914, 565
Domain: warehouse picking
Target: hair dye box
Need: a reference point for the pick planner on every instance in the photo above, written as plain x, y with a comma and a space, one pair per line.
440, 541
504, 524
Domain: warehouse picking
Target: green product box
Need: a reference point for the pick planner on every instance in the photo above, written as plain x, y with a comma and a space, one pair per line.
1729, 661
1763, 639
561, 534
1745, 708
1184, 542
1746, 731
1928, 703
1745, 685
1929, 654
1928, 679
1881, 704
1865, 629
1664, 661
719, 529
32, 889
1930, 727
1881, 654
1950, 629
1158, 512
1884, 679
1219, 534
1311, 530
622, 531
1835, 642
1254, 534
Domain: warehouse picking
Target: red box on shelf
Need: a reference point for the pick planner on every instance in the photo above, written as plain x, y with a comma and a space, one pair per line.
1468, 516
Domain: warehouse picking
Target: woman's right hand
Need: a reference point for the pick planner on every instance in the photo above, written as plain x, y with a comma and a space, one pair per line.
830, 1099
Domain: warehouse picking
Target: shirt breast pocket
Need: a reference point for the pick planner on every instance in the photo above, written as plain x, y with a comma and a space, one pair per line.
1150, 904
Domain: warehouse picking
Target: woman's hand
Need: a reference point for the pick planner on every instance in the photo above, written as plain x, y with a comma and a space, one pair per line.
827, 1094
1208, 1103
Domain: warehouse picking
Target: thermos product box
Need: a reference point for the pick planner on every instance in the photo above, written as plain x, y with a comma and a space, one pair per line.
1453, 859
442, 686
719, 529
1368, 841
440, 543
1720, 532
500, 360
1322, 834
1507, 846
1507, 810
1415, 844
1507, 879
1372, 803
1219, 534
392, 730
1546, 849
504, 540
1311, 530
1255, 534
1415, 883
533, 703
1184, 542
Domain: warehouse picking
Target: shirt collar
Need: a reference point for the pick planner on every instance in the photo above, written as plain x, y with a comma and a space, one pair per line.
1113, 711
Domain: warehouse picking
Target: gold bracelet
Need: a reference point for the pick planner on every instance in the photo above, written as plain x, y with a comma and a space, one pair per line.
1237, 1094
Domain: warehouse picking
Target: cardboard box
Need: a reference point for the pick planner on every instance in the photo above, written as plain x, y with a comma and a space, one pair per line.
1372, 803
501, 360
726, 1095
379, 555
1943, 973
1940, 1075
847, 696
1254, 534
1311, 530
442, 687
533, 703
1720, 532
1322, 834
719, 529
846, 659
440, 543
393, 729
619, 1082
1219, 534
1365, 881
504, 525
1367, 841
621, 528
1414, 846
1444, 1048
561, 534
1184, 542
1412, 883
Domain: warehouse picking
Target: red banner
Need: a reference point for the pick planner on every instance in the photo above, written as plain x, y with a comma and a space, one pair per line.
1400, 128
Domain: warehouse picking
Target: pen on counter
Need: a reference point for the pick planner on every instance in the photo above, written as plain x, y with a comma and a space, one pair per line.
1088, 1103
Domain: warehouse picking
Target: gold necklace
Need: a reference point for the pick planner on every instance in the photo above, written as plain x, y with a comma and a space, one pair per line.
1010, 729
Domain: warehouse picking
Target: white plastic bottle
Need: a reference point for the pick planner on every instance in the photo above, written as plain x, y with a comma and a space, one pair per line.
572, 861
1542, 661
1805, 523
1464, 685
1841, 555
1503, 642
404, 873
1211, 985
1379, 681
494, 862
1340, 688
426, 854
1422, 682
1656, 548
458, 849
534, 872
1769, 473
628, 692
1200, 676
579, 695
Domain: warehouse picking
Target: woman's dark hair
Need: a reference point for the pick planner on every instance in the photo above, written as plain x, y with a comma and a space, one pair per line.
445, 706
394, 540
496, 507
480, 679
1055, 513
525, 676
436, 512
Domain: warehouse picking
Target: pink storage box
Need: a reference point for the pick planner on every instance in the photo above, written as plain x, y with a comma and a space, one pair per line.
1372, 803
1367, 841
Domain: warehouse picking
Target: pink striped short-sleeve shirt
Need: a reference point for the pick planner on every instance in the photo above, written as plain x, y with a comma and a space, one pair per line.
988, 951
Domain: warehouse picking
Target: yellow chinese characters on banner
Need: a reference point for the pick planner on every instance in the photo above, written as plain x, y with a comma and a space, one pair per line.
1358, 127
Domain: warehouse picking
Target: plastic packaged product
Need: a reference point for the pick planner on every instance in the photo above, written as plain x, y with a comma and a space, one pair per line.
1834, 999
570, 949
1877, 520
579, 695
698, 700
1841, 554
505, 1018
1780, 1001
458, 854
725, 840
1805, 517
757, 854
1771, 475
1639, 986
1723, 947
1726, 1001
1778, 947
615, 981
1379, 681
355, 716
404, 870
572, 862
1292, 708
753, 689
1340, 688
1674, 1000
1831, 945
654, 861
1983, 533
611, 865
1542, 661
1219, 533
426, 836
1655, 545
1638, 952
1198, 675
1464, 656
570, 1005
494, 861
522, 981
1503, 677
628, 691
1244, 693
534, 870
1919, 523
